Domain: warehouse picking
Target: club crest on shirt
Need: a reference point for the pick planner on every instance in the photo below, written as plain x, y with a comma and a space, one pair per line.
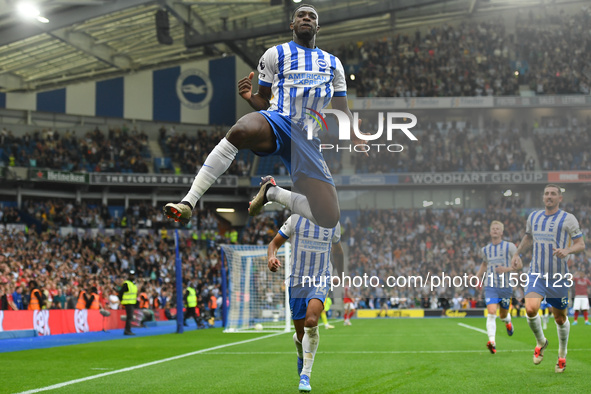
321, 63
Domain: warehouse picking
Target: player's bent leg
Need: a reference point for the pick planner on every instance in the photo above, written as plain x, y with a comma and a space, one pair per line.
323, 201
252, 131
532, 306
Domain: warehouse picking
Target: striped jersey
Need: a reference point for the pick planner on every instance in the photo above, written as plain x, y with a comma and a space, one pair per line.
310, 251
302, 80
498, 255
550, 232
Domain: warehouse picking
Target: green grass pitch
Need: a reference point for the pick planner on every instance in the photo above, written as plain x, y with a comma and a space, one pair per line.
371, 356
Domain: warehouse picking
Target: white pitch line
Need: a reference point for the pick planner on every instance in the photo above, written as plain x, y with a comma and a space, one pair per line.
472, 328
60, 385
386, 352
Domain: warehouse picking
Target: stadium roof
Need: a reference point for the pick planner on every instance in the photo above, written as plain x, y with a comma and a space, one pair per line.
96, 39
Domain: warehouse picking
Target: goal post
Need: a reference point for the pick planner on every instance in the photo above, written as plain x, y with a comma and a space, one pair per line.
255, 299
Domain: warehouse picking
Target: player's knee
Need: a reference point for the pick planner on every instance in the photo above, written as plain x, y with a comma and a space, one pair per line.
238, 134
560, 320
531, 311
311, 322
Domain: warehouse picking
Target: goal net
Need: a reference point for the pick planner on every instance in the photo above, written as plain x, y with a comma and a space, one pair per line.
258, 298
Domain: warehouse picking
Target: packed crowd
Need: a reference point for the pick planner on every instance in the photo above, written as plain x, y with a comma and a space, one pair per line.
471, 59
442, 147
64, 265
191, 151
447, 147
556, 49
571, 153
549, 53
417, 242
49, 213
260, 230
381, 243
119, 150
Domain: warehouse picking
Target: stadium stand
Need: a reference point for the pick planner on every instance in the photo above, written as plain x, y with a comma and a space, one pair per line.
547, 53
63, 262
571, 154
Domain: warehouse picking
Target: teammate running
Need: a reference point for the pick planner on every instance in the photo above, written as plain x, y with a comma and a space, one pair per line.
554, 235
309, 281
498, 291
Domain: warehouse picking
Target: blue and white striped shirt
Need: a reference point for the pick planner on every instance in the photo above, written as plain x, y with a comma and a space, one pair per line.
301, 79
498, 255
550, 232
311, 246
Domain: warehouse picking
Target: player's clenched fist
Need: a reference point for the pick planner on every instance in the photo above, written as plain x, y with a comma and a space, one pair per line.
274, 264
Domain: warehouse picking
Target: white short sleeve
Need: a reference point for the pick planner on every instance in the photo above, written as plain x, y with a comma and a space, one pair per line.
267, 67
512, 249
528, 224
339, 82
572, 226
286, 230
482, 254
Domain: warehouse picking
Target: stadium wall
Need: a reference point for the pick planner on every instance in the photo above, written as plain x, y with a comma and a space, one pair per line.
66, 321
201, 92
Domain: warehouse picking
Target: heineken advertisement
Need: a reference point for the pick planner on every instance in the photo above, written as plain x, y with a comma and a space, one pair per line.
58, 176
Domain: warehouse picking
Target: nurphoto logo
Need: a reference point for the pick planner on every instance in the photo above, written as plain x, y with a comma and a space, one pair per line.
390, 122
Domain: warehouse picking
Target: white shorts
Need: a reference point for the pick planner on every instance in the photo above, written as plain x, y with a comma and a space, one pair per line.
349, 306
581, 303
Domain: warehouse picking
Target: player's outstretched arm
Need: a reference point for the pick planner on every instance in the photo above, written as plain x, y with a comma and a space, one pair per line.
258, 101
272, 261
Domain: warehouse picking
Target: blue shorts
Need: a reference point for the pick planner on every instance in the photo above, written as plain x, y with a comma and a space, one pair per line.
301, 156
555, 292
496, 295
300, 296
